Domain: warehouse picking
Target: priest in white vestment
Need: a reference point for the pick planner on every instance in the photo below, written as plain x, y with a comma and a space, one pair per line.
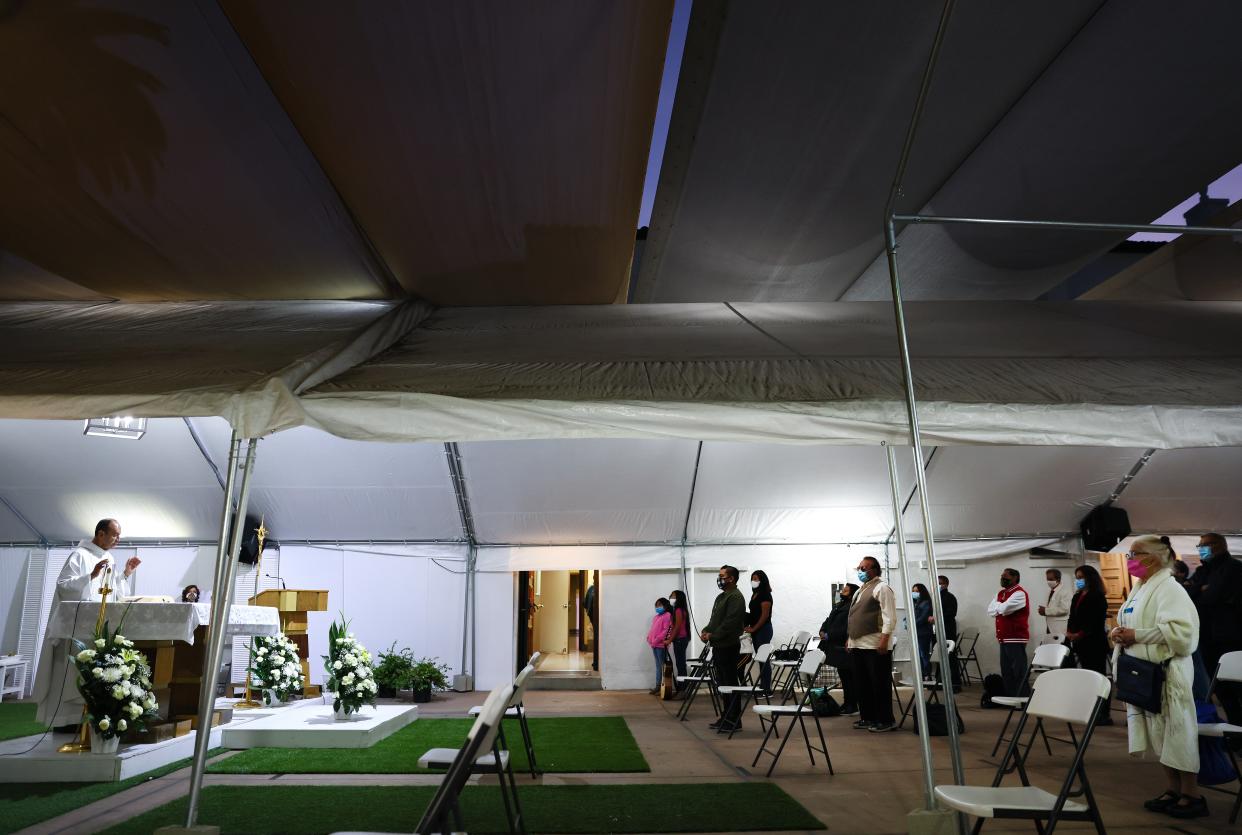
81, 578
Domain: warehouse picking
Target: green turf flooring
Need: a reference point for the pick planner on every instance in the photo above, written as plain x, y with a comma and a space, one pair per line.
25, 804
692, 807
562, 745
18, 719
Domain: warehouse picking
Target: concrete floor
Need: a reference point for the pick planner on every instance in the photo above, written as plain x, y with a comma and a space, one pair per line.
878, 777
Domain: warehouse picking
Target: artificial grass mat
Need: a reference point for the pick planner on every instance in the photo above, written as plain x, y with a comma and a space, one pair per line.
25, 804
18, 719
690, 807
562, 745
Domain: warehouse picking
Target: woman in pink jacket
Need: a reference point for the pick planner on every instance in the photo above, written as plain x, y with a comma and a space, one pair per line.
657, 635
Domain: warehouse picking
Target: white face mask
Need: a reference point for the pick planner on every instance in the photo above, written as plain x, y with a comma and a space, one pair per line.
1052, 584
754, 584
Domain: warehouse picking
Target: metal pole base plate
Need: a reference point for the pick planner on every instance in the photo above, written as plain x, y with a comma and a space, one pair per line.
931, 822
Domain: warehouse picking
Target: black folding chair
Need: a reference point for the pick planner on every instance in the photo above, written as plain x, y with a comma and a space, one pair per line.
784, 672
812, 660
970, 656
933, 688
698, 673
749, 690
1072, 696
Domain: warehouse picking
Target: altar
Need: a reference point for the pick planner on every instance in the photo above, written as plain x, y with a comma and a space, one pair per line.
171, 635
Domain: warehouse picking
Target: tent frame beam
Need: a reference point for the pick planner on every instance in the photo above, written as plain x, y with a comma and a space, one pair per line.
1070, 225
457, 474
21, 517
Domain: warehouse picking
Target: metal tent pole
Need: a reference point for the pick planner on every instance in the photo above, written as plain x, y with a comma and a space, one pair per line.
1071, 225
222, 596
920, 706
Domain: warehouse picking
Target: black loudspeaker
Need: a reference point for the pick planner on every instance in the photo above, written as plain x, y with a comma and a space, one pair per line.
248, 551
1104, 527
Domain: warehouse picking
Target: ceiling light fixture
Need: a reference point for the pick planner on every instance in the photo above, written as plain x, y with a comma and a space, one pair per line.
116, 427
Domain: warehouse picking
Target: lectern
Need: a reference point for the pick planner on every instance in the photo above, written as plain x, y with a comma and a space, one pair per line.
293, 604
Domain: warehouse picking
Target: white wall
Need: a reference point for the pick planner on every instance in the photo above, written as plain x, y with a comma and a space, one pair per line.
626, 607
496, 654
12, 592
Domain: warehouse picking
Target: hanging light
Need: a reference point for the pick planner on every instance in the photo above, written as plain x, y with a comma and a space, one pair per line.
116, 427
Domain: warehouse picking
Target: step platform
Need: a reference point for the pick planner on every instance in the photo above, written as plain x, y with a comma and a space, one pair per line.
311, 724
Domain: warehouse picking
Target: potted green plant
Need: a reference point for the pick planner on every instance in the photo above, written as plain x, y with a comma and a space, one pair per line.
428, 675
392, 673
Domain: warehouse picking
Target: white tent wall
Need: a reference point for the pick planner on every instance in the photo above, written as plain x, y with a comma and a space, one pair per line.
409, 594
495, 629
1187, 489
626, 607
13, 562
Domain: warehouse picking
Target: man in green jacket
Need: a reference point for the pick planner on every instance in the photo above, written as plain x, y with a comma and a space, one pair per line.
724, 633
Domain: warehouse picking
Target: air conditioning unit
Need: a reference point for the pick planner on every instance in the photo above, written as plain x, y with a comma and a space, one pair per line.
942, 565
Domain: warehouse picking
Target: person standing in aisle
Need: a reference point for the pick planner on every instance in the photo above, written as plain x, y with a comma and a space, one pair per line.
832, 637
872, 619
1012, 611
1087, 629
759, 622
1056, 611
724, 633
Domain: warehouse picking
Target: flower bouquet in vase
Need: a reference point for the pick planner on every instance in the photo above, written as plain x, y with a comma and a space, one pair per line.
115, 683
348, 665
275, 663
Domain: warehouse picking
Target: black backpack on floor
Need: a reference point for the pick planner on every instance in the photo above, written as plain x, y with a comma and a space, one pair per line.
993, 685
938, 722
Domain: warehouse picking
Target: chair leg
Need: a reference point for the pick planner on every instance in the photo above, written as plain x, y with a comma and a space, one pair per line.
820, 730
805, 738
528, 742
784, 742
763, 745
1000, 737
1237, 803
1044, 734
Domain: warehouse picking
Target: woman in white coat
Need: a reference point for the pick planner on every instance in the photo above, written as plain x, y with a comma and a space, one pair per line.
1158, 623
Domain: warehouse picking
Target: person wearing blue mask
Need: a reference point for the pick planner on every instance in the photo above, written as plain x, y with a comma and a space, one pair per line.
1216, 589
657, 637
870, 625
1087, 629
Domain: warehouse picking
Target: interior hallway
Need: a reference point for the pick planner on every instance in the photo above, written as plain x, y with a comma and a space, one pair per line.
878, 778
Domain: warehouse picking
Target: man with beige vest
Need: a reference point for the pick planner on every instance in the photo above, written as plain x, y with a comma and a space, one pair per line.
873, 616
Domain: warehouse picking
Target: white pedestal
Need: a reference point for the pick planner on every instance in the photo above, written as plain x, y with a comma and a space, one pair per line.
311, 725
45, 765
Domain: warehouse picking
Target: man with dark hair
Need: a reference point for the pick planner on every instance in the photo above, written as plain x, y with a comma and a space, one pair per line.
869, 627
833, 634
1056, 610
1012, 611
89, 566
724, 632
948, 605
1216, 589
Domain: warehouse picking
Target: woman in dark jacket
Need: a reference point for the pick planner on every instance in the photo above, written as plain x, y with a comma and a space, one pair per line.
833, 635
1087, 632
924, 632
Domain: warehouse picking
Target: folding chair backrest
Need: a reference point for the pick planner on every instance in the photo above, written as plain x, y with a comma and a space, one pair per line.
536, 659
800, 640
1050, 656
1230, 667
1068, 695
492, 715
435, 816
812, 660
520, 683
935, 649
974, 639
761, 654
489, 709
1052, 638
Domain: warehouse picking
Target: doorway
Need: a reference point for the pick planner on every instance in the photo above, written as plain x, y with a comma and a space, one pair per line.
558, 617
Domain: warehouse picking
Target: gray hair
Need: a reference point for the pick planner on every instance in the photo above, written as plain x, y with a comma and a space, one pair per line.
1157, 546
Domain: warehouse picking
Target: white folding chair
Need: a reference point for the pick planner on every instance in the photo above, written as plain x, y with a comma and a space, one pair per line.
1229, 669
1051, 638
747, 692
1047, 657
933, 687
783, 672
812, 660
698, 673
1070, 696
517, 710
496, 761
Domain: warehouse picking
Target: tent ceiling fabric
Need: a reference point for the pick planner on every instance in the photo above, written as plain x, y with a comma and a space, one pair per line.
464, 152
313, 486
1036, 112
494, 153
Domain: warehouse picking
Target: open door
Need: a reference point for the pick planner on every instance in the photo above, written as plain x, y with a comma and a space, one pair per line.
558, 617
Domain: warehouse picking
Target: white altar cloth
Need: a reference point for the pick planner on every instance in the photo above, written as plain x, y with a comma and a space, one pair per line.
158, 621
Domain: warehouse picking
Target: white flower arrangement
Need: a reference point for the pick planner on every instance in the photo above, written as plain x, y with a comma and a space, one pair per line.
115, 683
274, 662
348, 665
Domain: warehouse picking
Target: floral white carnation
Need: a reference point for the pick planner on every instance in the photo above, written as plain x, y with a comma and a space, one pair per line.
121, 725
120, 691
86, 655
105, 723
336, 665
100, 643
97, 672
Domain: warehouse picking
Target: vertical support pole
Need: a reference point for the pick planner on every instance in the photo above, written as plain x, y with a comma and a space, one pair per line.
920, 474
465, 619
222, 597
920, 706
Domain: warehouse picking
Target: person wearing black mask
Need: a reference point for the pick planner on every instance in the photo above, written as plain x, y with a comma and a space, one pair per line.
832, 637
724, 632
1216, 589
948, 606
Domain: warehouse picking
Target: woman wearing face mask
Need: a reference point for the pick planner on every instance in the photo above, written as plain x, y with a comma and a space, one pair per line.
661, 622
924, 632
190, 594
760, 622
679, 632
1087, 632
1158, 623
833, 634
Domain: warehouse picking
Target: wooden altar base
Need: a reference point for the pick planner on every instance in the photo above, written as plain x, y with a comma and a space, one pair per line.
310, 725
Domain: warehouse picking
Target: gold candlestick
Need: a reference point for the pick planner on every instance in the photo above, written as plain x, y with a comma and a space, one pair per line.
83, 743
249, 701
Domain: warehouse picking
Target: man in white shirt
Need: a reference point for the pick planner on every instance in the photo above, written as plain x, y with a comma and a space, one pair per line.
88, 566
1056, 610
872, 618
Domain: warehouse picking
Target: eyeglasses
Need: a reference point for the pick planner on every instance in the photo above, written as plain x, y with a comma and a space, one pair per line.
1134, 555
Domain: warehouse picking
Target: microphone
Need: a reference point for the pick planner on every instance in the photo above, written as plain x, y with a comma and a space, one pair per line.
274, 577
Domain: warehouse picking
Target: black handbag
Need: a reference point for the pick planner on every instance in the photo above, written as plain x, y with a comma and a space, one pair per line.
1141, 683
786, 655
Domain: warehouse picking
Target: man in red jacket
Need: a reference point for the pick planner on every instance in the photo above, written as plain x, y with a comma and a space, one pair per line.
1012, 610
